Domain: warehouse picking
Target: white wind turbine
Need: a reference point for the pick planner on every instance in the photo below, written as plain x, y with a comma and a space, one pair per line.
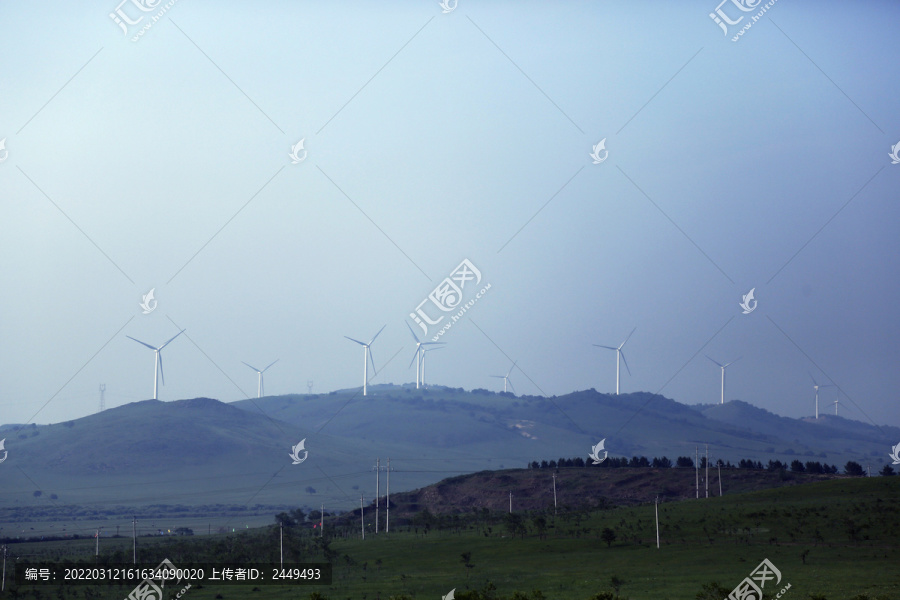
158, 368
506, 380
721, 366
367, 357
260, 386
816, 387
619, 355
419, 354
424, 355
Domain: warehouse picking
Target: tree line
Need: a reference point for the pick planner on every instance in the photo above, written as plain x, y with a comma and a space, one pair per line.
852, 468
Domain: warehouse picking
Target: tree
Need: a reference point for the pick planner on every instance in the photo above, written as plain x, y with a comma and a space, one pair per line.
608, 536
540, 523
797, 466
854, 469
616, 582
662, 463
887, 471
466, 558
684, 461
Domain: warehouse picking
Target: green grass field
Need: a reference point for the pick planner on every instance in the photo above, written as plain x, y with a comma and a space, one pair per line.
836, 540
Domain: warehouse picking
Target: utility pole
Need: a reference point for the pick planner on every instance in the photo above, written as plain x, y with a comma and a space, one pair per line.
97, 548
719, 466
134, 540
707, 470
362, 523
387, 520
377, 490
309, 384
3, 581
697, 469
554, 494
657, 522
510, 503
281, 534
322, 521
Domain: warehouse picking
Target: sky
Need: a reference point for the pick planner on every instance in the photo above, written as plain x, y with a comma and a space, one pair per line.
162, 161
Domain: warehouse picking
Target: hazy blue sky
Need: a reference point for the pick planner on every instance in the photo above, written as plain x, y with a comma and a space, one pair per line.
432, 138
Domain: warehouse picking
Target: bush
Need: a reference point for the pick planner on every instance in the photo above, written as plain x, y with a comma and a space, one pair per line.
712, 591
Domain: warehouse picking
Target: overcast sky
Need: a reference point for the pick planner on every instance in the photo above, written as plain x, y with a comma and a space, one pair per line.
429, 138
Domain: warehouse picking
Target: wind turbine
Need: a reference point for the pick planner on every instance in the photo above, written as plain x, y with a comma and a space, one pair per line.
619, 355
367, 356
836, 400
816, 386
506, 380
419, 353
721, 366
260, 387
425, 351
158, 368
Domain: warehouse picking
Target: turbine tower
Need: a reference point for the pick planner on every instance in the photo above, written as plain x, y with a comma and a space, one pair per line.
721, 366
260, 386
367, 357
425, 352
420, 351
619, 355
506, 380
158, 369
816, 387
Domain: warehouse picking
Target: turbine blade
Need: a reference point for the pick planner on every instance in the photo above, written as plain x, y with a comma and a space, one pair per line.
142, 343
622, 354
411, 331
811, 377
357, 341
718, 363
628, 338
500, 376
510, 385
508, 373
162, 373
432, 343
172, 338
734, 361
413, 358
607, 347
251, 366
372, 360
379, 332
273, 362
430, 349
